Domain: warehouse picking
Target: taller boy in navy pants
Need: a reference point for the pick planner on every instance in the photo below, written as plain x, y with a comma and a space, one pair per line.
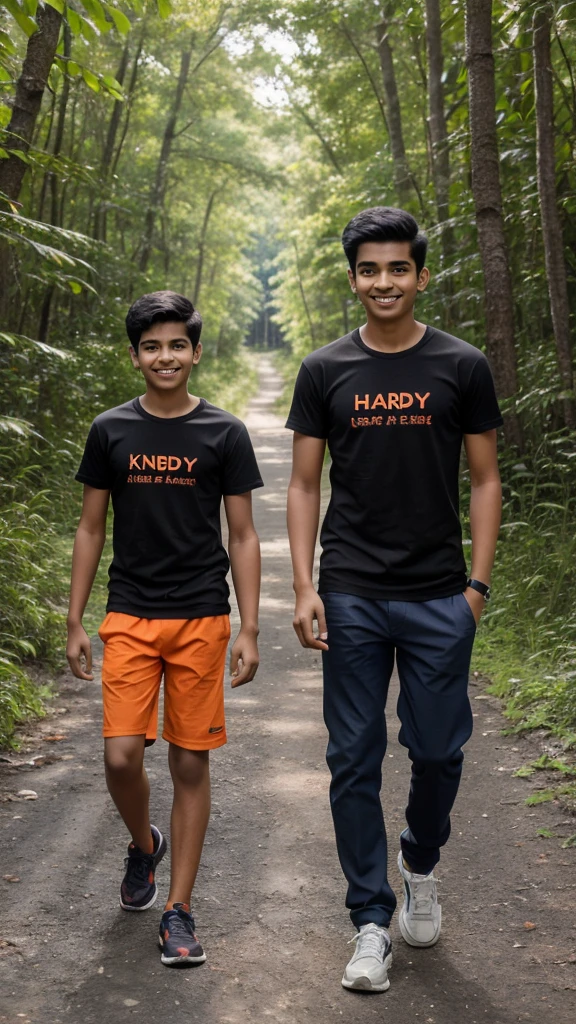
393, 400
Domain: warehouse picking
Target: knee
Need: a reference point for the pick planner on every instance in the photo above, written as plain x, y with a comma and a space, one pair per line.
123, 761
188, 767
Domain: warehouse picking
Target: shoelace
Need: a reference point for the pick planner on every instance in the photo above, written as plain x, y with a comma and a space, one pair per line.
371, 942
181, 926
423, 893
139, 866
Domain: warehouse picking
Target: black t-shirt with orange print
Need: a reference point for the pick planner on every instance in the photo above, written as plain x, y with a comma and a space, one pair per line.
167, 477
394, 424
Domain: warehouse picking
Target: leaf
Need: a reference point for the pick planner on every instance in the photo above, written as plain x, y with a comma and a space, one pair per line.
58, 5
75, 286
74, 20
91, 79
164, 8
120, 20
28, 26
571, 841
10, 878
73, 68
529, 926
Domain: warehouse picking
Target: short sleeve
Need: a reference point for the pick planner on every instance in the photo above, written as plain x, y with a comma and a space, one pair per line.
480, 411
240, 471
307, 414
94, 469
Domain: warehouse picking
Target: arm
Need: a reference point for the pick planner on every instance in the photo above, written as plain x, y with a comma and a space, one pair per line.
88, 545
485, 510
303, 518
244, 551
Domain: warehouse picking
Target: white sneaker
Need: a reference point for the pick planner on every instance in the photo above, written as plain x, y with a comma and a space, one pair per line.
420, 919
368, 968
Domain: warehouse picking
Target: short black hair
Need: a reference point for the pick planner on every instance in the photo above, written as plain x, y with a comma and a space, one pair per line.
384, 224
161, 307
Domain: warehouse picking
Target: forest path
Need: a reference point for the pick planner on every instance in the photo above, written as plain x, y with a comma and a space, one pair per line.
269, 902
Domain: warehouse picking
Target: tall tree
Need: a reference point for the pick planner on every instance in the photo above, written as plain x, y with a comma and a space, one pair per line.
402, 178
158, 190
551, 226
437, 124
487, 193
28, 99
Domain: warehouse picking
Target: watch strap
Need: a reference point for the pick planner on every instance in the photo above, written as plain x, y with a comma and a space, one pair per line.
482, 588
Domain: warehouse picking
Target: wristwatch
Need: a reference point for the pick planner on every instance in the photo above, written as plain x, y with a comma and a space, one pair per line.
482, 588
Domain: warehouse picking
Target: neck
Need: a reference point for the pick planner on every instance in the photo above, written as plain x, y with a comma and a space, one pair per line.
169, 403
392, 337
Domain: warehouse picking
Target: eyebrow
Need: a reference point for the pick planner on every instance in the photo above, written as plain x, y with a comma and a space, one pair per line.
392, 263
156, 341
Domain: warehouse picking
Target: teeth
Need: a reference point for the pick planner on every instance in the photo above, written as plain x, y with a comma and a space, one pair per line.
386, 301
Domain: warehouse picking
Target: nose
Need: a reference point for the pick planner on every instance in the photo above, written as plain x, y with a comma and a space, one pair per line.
384, 281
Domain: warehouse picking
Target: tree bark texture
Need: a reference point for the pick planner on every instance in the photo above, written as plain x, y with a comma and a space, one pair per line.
437, 124
402, 178
28, 99
551, 226
487, 196
159, 188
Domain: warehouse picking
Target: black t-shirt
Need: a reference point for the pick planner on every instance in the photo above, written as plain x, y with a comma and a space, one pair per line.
167, 478
394, 424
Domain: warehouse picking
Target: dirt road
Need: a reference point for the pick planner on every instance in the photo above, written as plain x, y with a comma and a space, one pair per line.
269, 900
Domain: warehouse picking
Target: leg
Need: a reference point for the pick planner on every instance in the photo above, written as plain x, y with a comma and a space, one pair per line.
434, 651
128, 786
131, 674
190, 770
357, 670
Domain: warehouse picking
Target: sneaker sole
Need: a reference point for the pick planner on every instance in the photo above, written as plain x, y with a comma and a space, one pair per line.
169, 961
364, 984
410, 939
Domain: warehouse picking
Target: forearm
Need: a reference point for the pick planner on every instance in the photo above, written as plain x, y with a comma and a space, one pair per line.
303, 519
245, 564
86, 556
485, 513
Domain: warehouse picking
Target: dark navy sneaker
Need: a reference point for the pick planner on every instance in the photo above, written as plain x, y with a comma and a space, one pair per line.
138, 890
177, 939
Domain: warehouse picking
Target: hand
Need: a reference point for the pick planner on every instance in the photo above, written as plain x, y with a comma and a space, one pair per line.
78, 648
244, 658
476, 602
310, 607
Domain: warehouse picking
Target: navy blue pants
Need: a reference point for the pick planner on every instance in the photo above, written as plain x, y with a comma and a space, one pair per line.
433, 642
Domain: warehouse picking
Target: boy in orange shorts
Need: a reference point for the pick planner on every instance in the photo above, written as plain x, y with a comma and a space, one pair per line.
167, 459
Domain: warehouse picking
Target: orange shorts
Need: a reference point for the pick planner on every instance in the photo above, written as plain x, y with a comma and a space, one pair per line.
190, 653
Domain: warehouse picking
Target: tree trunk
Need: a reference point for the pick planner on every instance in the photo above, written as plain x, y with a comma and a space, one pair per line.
402, 178
487, 196
108, 151
437, 125
29, 92
202, 247
159, 188
551, 227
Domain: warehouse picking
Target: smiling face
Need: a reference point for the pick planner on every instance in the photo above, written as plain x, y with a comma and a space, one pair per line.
386, 280
165, 356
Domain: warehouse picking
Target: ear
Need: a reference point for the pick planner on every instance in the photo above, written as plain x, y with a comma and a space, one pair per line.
134, 357
352, 280
197, 354
423, 279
